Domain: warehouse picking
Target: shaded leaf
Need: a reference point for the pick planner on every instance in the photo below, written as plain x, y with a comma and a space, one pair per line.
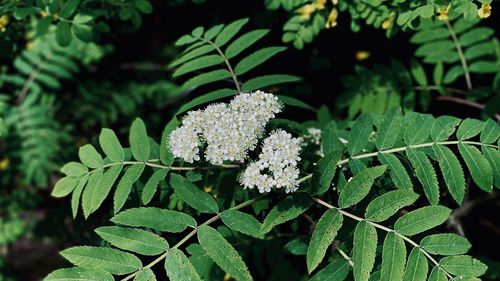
155, 218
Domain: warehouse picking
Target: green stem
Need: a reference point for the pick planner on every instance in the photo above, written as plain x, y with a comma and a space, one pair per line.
151, 163
189, 236
226, 61
460, 55
398, 149
386, 229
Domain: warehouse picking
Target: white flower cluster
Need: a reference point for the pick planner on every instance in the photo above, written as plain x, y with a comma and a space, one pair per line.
279, 157
230, 130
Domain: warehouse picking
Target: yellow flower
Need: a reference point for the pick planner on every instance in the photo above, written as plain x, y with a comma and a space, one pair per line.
362, 55
320, 4
306, 11
484, 11
43, 14
335, 2
4, 21
208, 189
443, 12
331, 21
4, 163
389, 21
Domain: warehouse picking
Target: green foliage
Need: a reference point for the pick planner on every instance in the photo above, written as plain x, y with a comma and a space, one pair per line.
459, 45
376, 182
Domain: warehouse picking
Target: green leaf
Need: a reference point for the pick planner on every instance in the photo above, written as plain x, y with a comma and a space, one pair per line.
479, 167
484, 67
64, 186
135, 240
110, 260
139, 141
131, 175
360, 133
287, 209
75, 197
422, 219
387, 204
22, 12
90, 157
418, 73
69, 8
82, 32
388, 132
325, 171
241, 222
74, 169
144, 6
179, 268
330, 139
445, 244
145, 274
206, 98
469, 128
104, 187
257, 58
475, 35
444, 127
88, 192
359, 186
206, 78
213, 31
398, 173
365, 246
393, 258
111, 145
453, 74
166, 156
493, 157
204, 49
244, 41
63, 33
335, 271
155, 218
437, 274
295, 102
152, 184
425, 174
79, 274
452, 171
490, 132
229, 32
463, 266
184, 40
323, 235
419, 129
222, 253
261, 82
192, 195
81, 19
438, 74
198, 63
417, 266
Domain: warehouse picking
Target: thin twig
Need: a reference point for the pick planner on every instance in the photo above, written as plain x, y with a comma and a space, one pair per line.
465, 102
336, 246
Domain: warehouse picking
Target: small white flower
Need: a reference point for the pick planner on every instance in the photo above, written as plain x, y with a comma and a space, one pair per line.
277, 165
184, 143
229, 130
